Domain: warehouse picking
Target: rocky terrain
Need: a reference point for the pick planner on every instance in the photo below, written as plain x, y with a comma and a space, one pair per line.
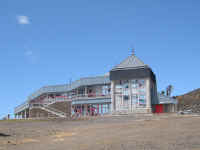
190, 101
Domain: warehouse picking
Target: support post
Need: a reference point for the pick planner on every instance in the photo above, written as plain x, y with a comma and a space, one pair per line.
25, 114
130, 100
148, 95
113, 103
85, 91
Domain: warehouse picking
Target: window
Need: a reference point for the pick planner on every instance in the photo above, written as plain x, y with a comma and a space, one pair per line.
134, 84
105, 108
125, 84
118, 88
126, 92
119, 98
142, 100
142, 96
142, 91
126, 97
138, 83
134, 99
141, 83
105, 90
109, 107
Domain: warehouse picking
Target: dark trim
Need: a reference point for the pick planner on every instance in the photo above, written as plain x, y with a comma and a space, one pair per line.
132, 74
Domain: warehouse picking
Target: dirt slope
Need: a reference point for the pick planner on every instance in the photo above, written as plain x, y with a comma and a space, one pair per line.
190, 101
111, 133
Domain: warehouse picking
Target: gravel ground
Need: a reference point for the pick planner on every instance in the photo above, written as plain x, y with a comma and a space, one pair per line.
158, 132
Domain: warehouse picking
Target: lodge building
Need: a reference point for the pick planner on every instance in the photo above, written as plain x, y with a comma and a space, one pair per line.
128, 88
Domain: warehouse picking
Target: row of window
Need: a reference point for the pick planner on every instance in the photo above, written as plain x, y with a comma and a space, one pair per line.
134, 84
102, 108
138, 92
138, 100
92, 108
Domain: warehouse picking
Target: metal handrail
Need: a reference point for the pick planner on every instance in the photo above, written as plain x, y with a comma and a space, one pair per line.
80, 96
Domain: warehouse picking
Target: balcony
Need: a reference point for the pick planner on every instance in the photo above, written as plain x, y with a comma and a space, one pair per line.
90, 96
50, 100
21, 107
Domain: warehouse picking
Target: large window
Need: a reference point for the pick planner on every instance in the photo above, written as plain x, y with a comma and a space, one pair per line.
138, 92
131, 92
126, 91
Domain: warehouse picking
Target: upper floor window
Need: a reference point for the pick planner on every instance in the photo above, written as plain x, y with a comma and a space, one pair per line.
134, 84
125, 84
141, 83
105, 89
138, 83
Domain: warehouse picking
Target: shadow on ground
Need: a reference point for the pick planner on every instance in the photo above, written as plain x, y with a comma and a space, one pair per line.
4, 135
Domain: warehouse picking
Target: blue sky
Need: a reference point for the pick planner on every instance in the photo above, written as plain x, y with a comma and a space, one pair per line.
49, 42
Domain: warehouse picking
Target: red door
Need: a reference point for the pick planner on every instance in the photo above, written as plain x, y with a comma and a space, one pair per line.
159, 108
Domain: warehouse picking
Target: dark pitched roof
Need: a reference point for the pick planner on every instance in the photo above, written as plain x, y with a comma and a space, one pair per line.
130, 62
67, 87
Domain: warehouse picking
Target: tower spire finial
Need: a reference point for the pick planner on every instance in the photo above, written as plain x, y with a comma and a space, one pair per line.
133, 51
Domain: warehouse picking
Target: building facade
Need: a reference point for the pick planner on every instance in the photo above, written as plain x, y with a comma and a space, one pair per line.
130, 87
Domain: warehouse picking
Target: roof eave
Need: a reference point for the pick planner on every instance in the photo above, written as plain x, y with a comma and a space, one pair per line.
129, 68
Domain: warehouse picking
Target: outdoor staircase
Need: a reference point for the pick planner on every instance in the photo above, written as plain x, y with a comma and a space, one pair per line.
50, 110
54, 111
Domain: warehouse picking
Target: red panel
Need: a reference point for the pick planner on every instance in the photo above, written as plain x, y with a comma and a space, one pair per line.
97, 108
159, 108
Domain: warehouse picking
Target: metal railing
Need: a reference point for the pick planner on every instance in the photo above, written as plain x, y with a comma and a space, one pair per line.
89, 96
75, 97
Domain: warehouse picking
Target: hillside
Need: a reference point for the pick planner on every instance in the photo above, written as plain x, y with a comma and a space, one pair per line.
190, 101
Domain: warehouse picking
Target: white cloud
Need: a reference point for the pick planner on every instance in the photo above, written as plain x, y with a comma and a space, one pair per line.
29, 53
30, 56
23, 20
